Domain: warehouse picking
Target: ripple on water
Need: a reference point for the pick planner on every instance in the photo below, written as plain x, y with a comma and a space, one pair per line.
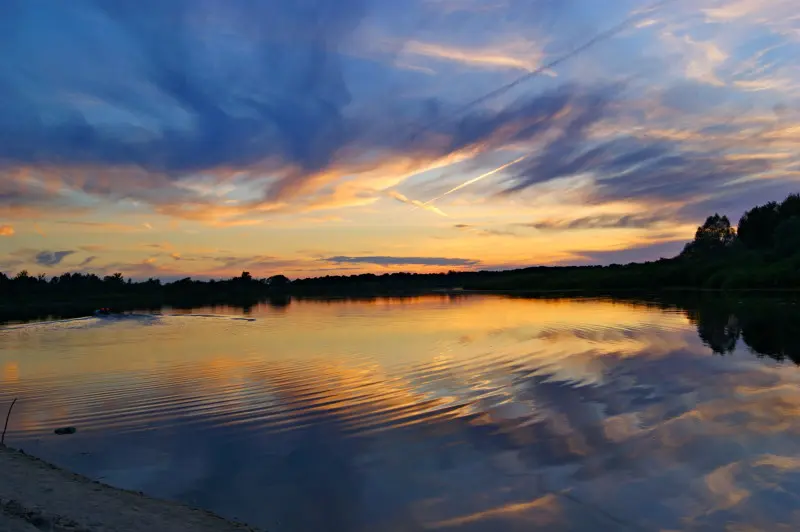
259, 394
452, 408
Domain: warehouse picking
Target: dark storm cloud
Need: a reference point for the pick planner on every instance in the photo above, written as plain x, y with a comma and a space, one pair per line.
51, 258
398, 261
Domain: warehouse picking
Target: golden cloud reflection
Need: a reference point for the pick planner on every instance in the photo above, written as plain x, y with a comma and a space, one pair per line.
482, 413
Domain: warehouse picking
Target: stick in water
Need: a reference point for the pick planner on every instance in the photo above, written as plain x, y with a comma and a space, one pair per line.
8, 415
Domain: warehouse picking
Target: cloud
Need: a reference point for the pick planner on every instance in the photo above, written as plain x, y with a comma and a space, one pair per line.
644, 252
245, 94
172, 107
227, 113
484, 232
646, 167
93, 247
102, 226
51, 258
406, 261
518, 55
602, 221
87, 261
6, 230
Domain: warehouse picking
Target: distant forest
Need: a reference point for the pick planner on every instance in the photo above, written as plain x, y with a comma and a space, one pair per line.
763, 252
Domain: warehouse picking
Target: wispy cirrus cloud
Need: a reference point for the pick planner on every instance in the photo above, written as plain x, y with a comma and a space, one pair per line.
103, 226
485, 232
602, 221
402, 261
87, 261
519, 55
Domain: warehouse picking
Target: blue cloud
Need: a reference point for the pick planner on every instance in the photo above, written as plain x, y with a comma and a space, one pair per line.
173, 86
52, 258
182, 88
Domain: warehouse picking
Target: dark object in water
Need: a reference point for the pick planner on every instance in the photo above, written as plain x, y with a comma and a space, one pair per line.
5, 428
65, 430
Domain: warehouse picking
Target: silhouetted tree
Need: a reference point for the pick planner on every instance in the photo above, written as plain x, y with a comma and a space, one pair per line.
789, 207
787, 237
278, 281
714, 236
757, 226
114, 280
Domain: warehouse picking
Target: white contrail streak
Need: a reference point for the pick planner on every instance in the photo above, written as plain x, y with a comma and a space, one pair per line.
475, 180
416, 203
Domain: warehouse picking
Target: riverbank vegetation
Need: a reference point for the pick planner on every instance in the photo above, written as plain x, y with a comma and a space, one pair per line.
762, 252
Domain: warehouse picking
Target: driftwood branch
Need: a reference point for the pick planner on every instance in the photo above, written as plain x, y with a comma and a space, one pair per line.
8, 415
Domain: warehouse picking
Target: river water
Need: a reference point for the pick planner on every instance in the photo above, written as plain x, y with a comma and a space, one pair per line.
473, 413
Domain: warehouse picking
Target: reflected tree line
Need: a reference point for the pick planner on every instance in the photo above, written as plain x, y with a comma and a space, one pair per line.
766, 327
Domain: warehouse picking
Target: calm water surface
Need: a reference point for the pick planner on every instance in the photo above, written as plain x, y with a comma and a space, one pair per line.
433, 413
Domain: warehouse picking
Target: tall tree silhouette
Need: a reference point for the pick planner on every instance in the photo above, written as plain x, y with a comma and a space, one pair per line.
714, 236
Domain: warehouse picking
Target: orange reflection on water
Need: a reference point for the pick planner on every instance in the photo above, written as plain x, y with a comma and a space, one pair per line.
10, 373
526, 399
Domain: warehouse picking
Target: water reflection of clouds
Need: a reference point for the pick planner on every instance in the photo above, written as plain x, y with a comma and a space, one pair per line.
556, 422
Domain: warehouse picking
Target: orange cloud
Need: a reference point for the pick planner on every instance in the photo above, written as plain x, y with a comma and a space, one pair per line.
6, 230
93, 247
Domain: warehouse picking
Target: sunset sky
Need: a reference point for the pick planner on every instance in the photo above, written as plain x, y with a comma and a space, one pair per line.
173, 138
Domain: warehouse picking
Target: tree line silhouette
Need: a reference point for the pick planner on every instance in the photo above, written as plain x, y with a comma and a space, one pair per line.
764, 326
763, 252
74, 294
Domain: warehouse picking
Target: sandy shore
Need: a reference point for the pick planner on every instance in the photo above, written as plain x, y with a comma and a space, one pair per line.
35, 496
